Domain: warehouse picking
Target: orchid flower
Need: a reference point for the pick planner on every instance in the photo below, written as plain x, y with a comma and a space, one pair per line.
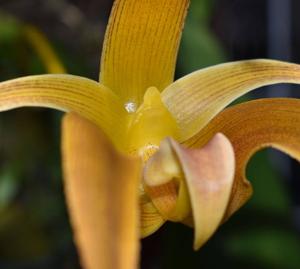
139, 149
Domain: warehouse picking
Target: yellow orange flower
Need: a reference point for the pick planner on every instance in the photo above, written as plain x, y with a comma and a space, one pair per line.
139, 144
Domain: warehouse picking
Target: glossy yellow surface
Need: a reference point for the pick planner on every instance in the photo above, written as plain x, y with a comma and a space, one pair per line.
141, 45
137, 105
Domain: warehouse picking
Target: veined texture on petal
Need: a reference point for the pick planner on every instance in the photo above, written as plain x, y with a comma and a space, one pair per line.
141, 45
67, 93
196, 98
102, 194
151, 219
250, 127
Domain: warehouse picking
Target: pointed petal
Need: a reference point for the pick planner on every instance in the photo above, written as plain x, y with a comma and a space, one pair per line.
67, 93
209, 173
43, 48
195, 99
102, 194
141, 45
204, 175
250, 127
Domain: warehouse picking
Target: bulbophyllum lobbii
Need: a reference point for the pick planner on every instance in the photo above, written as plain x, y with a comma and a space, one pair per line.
140, 149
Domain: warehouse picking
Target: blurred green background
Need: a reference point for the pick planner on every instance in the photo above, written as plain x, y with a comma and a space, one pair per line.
34, 228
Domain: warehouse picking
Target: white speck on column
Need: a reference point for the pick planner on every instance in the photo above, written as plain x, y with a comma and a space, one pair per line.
130, 107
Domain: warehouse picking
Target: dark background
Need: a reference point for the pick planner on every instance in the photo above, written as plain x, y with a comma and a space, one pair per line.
34, 228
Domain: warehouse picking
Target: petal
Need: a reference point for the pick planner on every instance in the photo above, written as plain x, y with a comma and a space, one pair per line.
141, 45
205, 175
102, 194
67, 93
41, 45
151, 219
250, 127
195, 99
